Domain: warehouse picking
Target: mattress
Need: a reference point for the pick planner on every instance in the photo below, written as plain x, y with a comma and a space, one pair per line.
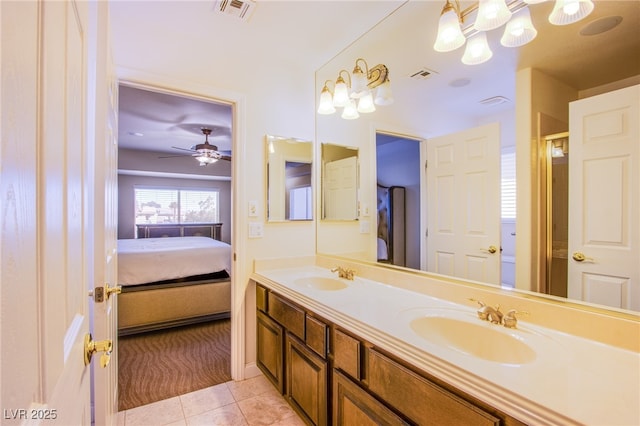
148, 260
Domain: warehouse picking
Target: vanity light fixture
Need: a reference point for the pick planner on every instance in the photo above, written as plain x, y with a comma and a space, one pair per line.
355, 92
492, 14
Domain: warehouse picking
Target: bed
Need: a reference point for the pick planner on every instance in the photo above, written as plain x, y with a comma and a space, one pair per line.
172, 281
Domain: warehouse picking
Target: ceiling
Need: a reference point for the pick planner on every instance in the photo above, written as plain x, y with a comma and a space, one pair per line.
298, 34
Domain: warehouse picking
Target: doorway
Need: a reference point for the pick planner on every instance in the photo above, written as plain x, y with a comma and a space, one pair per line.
159, 133
398, 199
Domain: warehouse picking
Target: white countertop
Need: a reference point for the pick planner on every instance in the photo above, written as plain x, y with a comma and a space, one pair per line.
572, 380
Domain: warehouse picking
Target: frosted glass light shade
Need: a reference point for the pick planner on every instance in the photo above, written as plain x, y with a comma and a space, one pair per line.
358, 83
519, 30
340, 93
350, 112
365, 103
534, 1
450, 35
326, 102
491, 14
477, 50
567, 12
383, 94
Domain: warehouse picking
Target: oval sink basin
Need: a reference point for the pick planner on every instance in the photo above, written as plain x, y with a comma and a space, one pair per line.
321, 283
480, 340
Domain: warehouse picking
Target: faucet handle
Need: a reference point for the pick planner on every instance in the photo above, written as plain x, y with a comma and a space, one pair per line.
510, 320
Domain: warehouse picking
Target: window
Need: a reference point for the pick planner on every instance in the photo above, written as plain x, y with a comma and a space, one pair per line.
164, 205
508, 183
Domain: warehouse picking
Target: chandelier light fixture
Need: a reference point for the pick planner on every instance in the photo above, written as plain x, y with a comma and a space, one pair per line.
355, 92
492, 14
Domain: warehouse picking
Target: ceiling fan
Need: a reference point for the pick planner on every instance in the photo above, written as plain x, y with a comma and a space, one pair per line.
205, 153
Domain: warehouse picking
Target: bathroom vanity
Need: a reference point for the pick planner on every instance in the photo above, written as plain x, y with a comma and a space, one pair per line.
365, 351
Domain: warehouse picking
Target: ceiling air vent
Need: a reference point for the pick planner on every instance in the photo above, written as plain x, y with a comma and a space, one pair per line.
422, 74
496, 100
241, 9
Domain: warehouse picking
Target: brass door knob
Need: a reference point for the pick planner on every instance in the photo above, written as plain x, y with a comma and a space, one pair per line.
91, 347
491, 249
580, 257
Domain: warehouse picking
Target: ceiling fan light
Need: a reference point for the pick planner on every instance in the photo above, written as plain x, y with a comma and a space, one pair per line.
491, 14
567, 12
365, 104
534, 1
350, 112
477, 50
326, 102
450, 35
519, 30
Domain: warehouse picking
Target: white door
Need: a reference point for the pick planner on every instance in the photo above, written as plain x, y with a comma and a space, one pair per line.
341, 189
604, 199
463, 187
46, 237
103, 156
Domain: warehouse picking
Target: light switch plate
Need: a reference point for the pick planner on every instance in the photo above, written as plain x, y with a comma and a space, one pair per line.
365, 228
255, 229
253, 208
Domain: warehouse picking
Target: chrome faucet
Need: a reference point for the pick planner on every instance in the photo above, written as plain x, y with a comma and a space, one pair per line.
344, 272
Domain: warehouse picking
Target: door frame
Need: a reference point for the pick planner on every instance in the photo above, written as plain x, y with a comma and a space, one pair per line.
238, 276
391, 130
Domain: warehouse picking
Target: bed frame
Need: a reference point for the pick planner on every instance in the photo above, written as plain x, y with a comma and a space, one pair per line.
148, 307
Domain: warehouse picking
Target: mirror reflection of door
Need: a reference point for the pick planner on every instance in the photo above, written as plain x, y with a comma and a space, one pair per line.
298, 202
463, 183
341, 189
604, 200
398, 200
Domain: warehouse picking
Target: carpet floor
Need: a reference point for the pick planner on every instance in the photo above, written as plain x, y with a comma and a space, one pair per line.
162, 364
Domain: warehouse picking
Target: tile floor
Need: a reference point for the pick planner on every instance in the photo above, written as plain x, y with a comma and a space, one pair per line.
250, 402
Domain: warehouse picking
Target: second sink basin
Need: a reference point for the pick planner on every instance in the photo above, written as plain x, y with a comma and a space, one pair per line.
482, 340
321, 283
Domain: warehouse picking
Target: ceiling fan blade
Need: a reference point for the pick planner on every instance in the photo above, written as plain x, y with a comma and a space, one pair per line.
183, 149
226, 157
174, 156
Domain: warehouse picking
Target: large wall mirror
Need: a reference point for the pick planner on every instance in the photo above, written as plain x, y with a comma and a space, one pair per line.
289, 181
516, 103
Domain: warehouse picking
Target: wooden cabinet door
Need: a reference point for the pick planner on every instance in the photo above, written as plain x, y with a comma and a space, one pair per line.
270, 340
354, 406
306, 377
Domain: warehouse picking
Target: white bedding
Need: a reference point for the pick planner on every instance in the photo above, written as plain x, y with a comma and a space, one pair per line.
148, 260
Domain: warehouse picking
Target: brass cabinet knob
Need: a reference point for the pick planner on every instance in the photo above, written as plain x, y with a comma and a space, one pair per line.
92, 346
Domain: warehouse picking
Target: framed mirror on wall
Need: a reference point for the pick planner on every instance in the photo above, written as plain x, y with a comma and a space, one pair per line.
529, 100
339, 182
289, 179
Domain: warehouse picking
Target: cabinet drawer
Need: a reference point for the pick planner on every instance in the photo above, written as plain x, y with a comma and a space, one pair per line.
316, 336
420, 400
346, 353
354, 406
261, 298
290, 316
